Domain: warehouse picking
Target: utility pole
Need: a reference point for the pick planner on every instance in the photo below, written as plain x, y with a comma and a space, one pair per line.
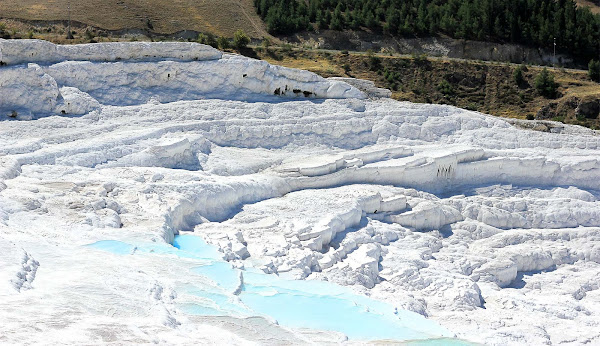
69, 34
554, 58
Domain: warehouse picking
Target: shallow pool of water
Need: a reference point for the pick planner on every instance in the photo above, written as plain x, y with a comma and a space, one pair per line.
219, 289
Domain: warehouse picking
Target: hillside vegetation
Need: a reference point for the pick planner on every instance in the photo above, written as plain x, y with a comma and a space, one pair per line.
490, 88
530, 22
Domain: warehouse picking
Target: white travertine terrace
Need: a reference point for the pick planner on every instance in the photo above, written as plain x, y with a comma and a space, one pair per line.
490, 230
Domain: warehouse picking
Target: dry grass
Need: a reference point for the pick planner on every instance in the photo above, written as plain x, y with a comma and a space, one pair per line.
321, 66
594, 6
221, 17
576, 84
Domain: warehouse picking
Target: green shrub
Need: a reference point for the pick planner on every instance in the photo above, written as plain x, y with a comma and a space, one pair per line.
89, 35
223, 43
419, 58
240, 39
445, 88
594, 70
545, 85
471, 106
392, 77
266, 43
208, 39
373, 61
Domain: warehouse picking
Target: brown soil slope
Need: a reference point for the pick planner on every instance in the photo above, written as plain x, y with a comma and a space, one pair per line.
220, 17
594, 5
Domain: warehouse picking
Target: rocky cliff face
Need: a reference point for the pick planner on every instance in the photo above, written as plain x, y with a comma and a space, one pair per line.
586, 107
444, 47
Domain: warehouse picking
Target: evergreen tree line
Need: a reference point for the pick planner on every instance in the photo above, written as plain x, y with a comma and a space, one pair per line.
530, 22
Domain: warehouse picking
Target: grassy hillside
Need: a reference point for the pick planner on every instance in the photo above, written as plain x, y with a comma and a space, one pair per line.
594, 5
485, 87
221, 17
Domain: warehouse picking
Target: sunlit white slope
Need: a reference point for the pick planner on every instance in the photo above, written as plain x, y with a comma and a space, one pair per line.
490, 231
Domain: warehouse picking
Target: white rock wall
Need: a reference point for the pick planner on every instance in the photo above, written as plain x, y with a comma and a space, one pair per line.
123, 74
14, 52
25, 90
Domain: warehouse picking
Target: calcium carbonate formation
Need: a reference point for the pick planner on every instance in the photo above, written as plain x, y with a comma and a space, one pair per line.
459, 223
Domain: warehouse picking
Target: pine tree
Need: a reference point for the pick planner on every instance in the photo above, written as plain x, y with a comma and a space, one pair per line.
370, 20
545, 85
322, 20
529, 22
518, 76
312, 10
337, 20
422, 25
356, 20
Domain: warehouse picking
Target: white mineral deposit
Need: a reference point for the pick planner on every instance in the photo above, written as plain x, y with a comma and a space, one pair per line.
170, 193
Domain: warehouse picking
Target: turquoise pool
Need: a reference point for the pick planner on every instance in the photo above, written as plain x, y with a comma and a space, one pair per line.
224, 290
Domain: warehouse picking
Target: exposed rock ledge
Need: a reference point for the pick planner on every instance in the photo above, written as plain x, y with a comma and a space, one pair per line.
366, 86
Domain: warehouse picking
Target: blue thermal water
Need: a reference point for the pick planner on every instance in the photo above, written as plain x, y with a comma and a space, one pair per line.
196, 245
222, 274
329, 313
439, 342
323, 305
223, 290
114, 246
